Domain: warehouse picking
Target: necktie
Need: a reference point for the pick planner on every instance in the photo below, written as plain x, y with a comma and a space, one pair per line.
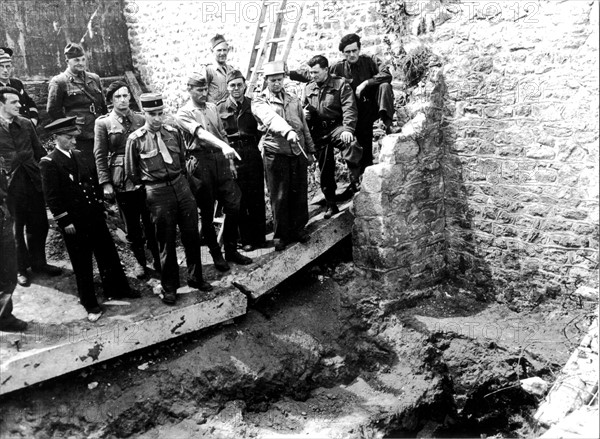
162, 148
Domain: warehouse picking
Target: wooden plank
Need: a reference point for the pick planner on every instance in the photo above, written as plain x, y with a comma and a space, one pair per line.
114, 337
136, 89
278, 266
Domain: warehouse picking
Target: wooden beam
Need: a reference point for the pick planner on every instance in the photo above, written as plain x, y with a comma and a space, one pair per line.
135, 87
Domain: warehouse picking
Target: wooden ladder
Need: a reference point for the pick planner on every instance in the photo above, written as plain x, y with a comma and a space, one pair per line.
268, 42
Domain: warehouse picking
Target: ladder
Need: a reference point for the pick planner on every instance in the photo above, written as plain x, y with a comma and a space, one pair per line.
268, 42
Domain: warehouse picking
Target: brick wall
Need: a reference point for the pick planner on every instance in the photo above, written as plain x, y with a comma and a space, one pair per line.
518, 146
169, 39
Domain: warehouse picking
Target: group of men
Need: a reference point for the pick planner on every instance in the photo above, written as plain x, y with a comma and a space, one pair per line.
217, 150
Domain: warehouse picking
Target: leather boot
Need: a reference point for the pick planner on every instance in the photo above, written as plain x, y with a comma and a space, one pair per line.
220, 263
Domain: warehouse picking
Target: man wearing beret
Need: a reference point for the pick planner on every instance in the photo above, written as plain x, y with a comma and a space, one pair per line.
288, 150
330, 107
155, 158
21, 151
111, 133
75, 200
242, 134
371, 81
28, 107
216, 73
76, 92
215, 169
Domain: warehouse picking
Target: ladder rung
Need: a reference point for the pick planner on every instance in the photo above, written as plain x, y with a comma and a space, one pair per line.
276, 40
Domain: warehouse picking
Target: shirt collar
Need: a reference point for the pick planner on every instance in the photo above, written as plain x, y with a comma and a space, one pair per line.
67, 153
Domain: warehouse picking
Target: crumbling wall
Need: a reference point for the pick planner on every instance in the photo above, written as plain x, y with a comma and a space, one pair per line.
518, 147
169, 39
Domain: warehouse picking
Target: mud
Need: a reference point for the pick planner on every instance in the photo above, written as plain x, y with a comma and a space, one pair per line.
329, 354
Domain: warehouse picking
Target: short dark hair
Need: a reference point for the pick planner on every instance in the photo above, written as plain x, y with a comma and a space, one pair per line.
347, 40
113, 87
7, 91
318, 59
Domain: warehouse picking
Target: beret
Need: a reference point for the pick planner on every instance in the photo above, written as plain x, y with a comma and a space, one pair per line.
73, 50
234, 74
63, 125
347, 40
152, 101
113, 87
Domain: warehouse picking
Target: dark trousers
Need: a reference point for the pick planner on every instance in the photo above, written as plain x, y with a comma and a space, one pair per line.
251, 181
138, 225
92, 238
28, 209
8, 264
287, 179
172, 206
351, 154
376, 102
86, 146
217, 184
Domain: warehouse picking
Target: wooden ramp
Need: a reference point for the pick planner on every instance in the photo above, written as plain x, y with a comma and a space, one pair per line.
60, 340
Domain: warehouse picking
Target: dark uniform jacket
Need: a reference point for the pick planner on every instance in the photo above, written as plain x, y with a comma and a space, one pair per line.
333, 103
70, 189
28, 107
239, 123
67, 97
110, 137
369, 68
20, 150
143, 161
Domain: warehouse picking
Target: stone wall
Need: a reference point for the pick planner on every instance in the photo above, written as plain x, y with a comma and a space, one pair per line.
169, 39
518, 149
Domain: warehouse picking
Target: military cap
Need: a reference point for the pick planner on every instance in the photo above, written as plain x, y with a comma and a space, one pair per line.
216, 40
234, 74
73, 50
113, 87
152, 101
274, 68
63, 126
197, 79
5, 54
347, 40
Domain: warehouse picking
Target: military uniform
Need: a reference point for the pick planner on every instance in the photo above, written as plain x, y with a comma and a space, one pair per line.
376, 101
21, 150
74, 198
111, 134
169, 200
242, 134
80, 96
333, 111
216, 179
216, 78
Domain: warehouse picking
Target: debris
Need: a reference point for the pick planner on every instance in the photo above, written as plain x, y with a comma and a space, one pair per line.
144, 366
93, 385
535, 385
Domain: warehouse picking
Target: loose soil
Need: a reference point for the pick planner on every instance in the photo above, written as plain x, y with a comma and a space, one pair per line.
330, 354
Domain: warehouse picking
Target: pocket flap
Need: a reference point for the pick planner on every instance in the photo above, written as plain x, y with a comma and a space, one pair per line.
149, 155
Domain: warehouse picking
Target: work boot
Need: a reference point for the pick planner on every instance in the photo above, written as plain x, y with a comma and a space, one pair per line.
201, 285
10, 323
47, 269
220, 263
169, 297
331, 210
302, 236
237, 258
22, 279
280, 245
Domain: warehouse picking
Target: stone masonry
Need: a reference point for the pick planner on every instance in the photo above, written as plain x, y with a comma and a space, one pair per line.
518, 149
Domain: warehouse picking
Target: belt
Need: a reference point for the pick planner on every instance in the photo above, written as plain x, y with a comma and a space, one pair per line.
328, 123
155, 185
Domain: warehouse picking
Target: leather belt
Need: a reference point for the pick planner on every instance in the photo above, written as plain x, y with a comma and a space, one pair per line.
329, 123
155, 185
